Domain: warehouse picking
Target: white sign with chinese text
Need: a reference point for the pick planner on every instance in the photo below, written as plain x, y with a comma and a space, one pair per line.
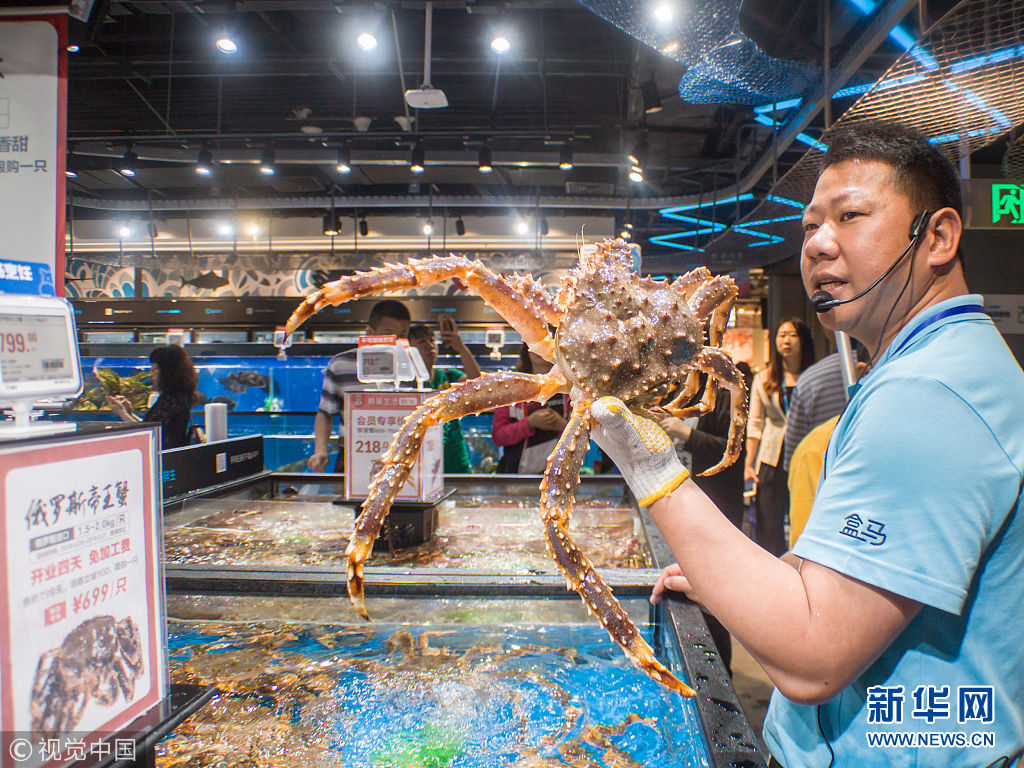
31, 134
80, 549
372, 419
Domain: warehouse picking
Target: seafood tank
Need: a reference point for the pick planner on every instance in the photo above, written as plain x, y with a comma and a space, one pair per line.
476, 655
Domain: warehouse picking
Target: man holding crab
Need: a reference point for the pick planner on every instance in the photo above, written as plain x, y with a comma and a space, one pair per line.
892, 630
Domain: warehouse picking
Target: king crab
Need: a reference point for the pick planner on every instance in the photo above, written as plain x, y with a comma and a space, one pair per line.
616, 334
98, 658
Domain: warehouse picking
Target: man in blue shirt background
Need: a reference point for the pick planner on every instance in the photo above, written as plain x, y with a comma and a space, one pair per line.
892, 631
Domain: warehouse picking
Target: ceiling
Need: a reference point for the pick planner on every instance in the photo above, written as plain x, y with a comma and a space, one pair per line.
147, 78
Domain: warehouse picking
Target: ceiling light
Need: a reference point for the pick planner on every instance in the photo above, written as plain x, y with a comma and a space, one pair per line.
226, 45
522, 228
483, 163
405, 122
636, 174
204, 163
267, 162
364, 228
501, 45
460, 227
418, 158
366, 41
649, 93
69, 169
362, 124
254, 229
663, 12
565, 158
428, 228
225, 229
124, 231
332, 223
344, 160
126, 166
73, 48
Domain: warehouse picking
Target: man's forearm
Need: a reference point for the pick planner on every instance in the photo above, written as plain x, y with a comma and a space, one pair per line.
793, 622
323, 425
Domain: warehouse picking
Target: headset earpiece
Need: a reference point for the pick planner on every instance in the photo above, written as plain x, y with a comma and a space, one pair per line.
920, 222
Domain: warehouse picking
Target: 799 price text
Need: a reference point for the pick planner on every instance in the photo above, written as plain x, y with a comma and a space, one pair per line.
16, 342
375, 447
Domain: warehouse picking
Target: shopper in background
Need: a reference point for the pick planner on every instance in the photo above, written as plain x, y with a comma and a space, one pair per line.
456, 456
896, 612
387, 317
700, 443
792, 352
175, 378
527, 432
819, 395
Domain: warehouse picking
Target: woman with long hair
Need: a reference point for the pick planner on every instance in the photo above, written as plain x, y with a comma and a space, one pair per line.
791, 353
527, 432
175, 378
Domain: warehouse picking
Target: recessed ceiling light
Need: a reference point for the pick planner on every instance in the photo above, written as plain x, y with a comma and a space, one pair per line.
428, 228
522, 228
366, 41
501, 45
226, 45
663, 12
124, 230
224, 229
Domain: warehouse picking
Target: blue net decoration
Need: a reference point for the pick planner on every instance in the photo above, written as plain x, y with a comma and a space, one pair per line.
724, 66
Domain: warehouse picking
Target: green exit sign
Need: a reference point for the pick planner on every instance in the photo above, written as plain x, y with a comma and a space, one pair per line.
993, 203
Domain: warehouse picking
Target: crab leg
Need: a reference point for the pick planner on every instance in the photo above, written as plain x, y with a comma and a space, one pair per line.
487, 391
556, 497
720, 368
687, 284
507, 300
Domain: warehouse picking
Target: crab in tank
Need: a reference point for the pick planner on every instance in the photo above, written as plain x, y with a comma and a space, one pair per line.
615, 334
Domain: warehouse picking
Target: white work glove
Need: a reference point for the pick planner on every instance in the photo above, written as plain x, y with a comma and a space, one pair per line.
640, 449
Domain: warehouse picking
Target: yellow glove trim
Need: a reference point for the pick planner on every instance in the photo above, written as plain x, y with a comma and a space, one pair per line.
652, 436
665, 490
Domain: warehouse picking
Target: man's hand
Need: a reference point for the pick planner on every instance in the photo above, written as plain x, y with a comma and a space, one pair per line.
672, 579
640, 449
317, 461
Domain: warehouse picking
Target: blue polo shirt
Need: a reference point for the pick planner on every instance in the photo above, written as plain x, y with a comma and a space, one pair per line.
920, 495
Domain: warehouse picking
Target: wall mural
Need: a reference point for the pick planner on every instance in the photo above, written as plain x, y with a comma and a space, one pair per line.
248, 275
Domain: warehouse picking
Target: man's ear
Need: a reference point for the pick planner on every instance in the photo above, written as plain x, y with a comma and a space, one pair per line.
942, 238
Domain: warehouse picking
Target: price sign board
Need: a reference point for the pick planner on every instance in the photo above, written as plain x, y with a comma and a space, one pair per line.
38, 348
79, 546
371, 421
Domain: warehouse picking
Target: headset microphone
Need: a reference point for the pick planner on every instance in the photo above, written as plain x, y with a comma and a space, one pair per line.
822, 301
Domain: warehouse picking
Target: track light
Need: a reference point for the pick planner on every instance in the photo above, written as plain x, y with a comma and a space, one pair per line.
636, 174
267, 162
522, 228
344, 159
366, 41
364, 228
460, 227
640, 151
416, 160
126, 165
565, 158
204, 163
226, 44
428, 228
483, 163
73, 48
649, 93
501, 45
332, 223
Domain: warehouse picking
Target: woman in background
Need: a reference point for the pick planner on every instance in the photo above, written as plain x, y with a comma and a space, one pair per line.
175, 378
527, 432
792, 352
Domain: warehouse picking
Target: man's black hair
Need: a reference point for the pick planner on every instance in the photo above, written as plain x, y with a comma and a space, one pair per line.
396, 310
920, 170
